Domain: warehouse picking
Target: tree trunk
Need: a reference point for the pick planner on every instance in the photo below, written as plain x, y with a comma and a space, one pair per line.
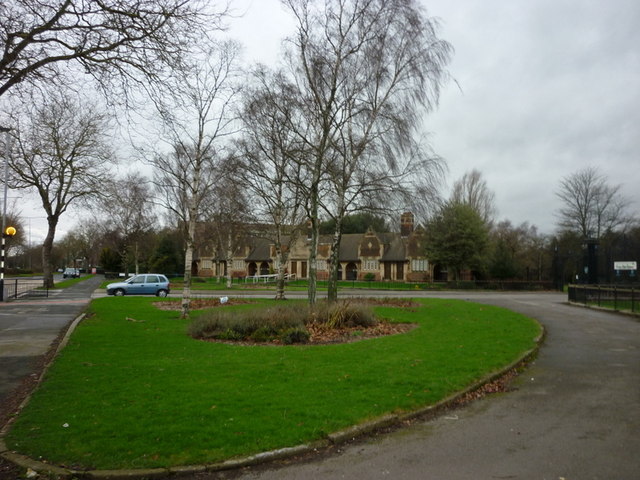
282, 262
332, 288
136, 255
313, 247
313, 262
229, 261
188, 260
47, 248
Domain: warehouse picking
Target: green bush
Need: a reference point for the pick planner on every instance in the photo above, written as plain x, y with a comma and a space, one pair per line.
294, 335
263, 334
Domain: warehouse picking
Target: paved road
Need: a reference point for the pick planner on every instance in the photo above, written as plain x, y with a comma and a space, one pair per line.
575, 414
28, 327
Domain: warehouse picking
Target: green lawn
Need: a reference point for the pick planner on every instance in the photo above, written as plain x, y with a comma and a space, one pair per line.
67, 282
132, 390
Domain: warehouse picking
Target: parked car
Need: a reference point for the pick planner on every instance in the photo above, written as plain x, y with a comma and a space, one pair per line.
143, 284
71, 273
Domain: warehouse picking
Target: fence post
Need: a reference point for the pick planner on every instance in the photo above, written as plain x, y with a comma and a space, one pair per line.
15, 292
633, 298
615, 297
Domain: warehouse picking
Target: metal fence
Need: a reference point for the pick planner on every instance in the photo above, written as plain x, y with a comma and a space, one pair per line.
23, 287
616, 297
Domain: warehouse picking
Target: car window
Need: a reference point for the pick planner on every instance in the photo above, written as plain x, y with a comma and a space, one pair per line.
163, 279
152, 278
138, 279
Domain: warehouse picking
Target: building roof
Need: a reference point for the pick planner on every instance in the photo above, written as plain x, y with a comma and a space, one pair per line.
394, 248
349, 247
260, 251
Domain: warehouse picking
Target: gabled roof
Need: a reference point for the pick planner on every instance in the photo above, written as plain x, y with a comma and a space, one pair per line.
349, 247
394, 248
260, 251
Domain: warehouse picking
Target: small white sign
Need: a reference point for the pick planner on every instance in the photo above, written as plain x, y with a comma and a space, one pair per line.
625, 265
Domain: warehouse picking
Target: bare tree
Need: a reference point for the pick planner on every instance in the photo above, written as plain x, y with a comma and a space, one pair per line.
63, 154
229, 214
197, 120
270, 152
366, 70
591, 206
472, 190
134, 216
117, 42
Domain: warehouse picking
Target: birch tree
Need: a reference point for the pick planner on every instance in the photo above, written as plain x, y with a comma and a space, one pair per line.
229, 213
197, 120
270, 152
366, 70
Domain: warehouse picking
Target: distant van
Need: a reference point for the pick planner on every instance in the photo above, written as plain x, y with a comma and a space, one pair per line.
71, 273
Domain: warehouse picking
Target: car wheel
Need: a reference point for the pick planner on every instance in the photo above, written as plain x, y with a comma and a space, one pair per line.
119, 292
161, 293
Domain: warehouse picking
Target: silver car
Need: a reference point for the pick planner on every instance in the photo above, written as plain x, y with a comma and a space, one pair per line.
143, 284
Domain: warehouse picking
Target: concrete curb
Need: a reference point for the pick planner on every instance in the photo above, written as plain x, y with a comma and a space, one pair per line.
627, 313
335, 438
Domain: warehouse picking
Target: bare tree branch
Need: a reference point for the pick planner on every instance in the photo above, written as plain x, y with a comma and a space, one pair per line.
117, 42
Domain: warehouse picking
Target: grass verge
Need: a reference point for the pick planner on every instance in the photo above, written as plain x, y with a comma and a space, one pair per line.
67, 282
133, 390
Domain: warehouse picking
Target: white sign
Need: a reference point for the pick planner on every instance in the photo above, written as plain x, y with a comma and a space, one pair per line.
625, 265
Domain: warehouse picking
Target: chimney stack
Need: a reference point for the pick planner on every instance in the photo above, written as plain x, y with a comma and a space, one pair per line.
406, 224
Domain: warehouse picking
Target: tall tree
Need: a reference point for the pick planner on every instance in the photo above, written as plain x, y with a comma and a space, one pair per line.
366, 71
472, 190
270, 153
134, 215
590, 205
197, 120
457, 238
117, 42
229, 213
63, 153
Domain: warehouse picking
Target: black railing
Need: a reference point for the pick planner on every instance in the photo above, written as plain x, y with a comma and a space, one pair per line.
615, 297
23, 287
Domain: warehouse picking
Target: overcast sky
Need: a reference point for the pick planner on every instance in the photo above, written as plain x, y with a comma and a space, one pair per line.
544, 89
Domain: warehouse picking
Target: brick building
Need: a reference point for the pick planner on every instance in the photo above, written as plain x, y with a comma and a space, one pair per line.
386, 256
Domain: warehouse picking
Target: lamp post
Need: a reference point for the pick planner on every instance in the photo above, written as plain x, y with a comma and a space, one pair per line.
7, 147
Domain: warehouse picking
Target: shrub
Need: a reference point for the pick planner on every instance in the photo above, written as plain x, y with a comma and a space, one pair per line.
344, 314
260, 325
294, 335
264, 334
283, 322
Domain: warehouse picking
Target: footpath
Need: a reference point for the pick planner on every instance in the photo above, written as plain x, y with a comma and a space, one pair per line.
28, 330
